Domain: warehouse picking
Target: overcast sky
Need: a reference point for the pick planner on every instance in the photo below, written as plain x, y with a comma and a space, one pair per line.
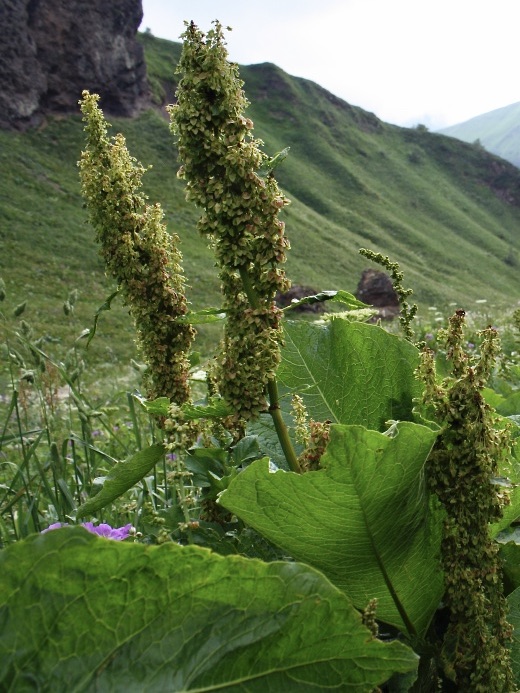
436, 62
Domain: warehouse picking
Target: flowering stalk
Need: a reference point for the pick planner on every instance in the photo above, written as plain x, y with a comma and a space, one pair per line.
220, 162
461, 470
407, 312
139, 254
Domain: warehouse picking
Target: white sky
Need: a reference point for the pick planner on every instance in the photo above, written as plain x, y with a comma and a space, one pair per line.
435, 62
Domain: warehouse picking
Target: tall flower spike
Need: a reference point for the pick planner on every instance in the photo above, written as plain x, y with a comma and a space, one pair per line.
138, 253
220, 162
460, 471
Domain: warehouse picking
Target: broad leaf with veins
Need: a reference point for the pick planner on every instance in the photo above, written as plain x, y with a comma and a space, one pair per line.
80, 613
350, 372
365, 519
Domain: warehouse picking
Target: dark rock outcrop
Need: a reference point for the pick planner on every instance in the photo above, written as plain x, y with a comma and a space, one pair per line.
375, 289
53, 49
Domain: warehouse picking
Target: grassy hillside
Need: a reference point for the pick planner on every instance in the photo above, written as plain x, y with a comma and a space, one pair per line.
449, 212
435, 204
498, 131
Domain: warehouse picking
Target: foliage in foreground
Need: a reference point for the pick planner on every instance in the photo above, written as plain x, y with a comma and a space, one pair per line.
180, 618
382, 498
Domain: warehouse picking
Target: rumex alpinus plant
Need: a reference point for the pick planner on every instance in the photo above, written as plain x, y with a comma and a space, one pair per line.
463, 471
389, 521
221, 162
138, 253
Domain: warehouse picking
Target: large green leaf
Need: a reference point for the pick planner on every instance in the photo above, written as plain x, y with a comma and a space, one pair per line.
514, 620
342, 297
122, 477
212, 408
263, 428
365, 519
83, 613
350, 372
511, 511
509, 405
509, 475
201, 317
510, 557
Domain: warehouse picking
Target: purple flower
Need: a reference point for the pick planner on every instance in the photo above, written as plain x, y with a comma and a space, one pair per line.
56, 525
103, 530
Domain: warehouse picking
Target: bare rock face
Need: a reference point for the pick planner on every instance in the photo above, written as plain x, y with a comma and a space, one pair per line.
53, 49
375, 289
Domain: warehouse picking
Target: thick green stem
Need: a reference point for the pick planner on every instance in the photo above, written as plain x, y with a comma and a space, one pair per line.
272, 389
281, 428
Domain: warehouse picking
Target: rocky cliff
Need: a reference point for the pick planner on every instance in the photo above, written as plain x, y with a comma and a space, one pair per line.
53, 49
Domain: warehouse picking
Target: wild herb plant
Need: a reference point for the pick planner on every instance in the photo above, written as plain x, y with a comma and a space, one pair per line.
387, 573
139, 254
220, 162
463, 471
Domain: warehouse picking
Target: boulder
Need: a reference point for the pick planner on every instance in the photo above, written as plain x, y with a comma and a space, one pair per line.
53, 49
375, 289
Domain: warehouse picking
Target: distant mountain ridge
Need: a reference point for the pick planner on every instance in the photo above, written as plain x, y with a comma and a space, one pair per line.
498, 131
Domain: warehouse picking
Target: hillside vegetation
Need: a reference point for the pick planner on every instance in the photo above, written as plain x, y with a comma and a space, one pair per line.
446, 210
498, 131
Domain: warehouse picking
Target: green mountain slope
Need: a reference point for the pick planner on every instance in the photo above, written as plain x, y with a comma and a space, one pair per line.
448, 211
498, 131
